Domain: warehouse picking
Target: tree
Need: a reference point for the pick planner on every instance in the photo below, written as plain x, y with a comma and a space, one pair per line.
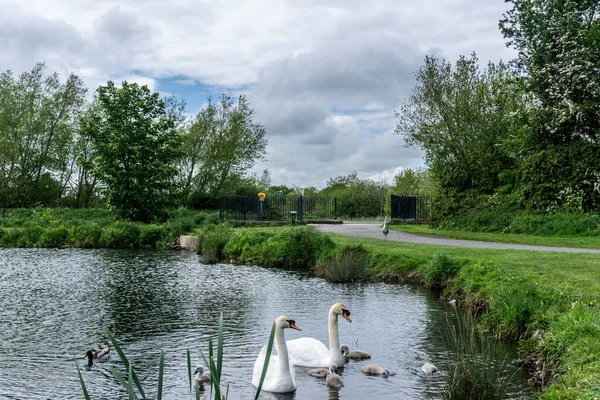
558, 46
462, 118
220, 146
135, 144
356, 197
37, 121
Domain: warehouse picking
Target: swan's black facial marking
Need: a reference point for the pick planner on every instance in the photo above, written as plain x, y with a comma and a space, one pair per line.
345, 312
293, 324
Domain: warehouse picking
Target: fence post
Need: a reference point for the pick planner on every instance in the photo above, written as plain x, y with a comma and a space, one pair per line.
300, 208
221, 207
335, 208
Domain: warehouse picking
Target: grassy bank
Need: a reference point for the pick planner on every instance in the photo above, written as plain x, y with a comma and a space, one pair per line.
548, 302
586, 242
57, 227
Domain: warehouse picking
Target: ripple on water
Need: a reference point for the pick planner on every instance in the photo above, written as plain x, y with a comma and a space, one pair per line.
56, 304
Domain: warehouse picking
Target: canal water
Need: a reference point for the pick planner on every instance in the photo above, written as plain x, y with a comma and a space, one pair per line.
55, 304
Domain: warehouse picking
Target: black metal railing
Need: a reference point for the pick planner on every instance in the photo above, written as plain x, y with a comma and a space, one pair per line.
250, 208
409, 207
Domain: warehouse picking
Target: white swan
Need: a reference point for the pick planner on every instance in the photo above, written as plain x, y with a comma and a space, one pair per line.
429, 368
354, 354
333, 379
280, 377
310, 352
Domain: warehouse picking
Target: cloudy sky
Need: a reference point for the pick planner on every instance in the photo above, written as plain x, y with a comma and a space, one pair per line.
322, 76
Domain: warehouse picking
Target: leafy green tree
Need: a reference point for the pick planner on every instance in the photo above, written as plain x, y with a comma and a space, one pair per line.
220, 146
412, 181
38, 116
356, 197
462, 118
135, 145
558, 46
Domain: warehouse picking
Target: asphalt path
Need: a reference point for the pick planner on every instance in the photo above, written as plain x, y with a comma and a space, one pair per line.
372, 230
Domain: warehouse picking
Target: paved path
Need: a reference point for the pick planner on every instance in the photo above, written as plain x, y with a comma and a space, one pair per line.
373, 230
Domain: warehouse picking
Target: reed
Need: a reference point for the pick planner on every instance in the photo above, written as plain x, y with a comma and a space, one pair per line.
135, 391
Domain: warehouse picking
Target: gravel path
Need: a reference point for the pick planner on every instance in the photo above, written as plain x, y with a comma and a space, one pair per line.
372, 230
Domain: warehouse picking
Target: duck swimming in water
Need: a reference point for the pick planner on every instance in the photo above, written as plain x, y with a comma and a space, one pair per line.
101, 355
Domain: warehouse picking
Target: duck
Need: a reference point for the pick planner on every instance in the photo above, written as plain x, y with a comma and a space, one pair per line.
201, 374
429, 368
333, 379
101, 355
374, 369
354, 354
280, 377
310, 352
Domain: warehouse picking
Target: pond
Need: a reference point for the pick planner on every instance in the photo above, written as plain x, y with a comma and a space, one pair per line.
55, 304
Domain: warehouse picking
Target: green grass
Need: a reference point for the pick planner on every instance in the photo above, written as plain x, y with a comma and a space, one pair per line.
584, 242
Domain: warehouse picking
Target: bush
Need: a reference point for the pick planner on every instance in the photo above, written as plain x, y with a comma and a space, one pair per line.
54, 237
203, 201
86, 235
246, 245
349, 265
121, 235
296, 248
213, 241
150, 236
441, 270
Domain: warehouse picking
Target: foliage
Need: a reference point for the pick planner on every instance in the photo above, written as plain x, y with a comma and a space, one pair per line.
214, 239
135, 143
37, 127
298, 247
557, 44
477, 365
461, 117
356, 197
440, 270
220, 145
350, 264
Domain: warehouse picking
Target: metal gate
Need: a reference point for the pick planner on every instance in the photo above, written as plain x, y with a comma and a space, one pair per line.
410, 207
250, 208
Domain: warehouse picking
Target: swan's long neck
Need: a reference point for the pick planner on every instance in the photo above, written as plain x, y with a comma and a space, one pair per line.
282, 353
335, 354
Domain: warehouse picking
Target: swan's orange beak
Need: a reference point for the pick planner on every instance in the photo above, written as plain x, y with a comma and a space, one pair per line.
346, 314
294, 326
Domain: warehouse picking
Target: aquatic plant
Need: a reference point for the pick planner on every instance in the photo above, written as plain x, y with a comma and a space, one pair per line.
131, 383
477, 366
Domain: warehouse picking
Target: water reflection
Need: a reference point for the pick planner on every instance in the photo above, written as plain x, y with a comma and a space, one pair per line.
55, 305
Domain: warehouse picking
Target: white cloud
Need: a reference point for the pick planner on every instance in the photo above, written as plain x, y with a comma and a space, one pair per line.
323, 77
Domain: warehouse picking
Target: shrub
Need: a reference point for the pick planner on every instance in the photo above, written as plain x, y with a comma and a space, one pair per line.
213, 241
150, 236
87, 235
348, 265
297, 248
54, 237
441, 270
246, 245
121, 235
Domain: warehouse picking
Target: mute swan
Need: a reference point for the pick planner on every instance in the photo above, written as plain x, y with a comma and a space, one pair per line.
354, 354
310, 352
429, 368
333, 379
101, 355
280, 377
201, 375
374, 369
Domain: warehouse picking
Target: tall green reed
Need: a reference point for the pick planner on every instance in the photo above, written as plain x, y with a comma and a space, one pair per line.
214, 362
